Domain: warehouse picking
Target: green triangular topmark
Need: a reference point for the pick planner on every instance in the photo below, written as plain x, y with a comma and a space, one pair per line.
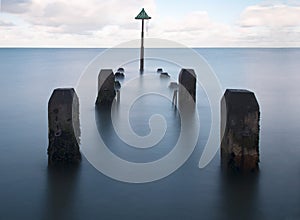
142, 15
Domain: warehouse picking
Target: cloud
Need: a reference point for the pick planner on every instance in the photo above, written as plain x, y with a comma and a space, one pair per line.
15, 6
276, 16
4, 23
193, 21
195, 29
78, 16
100, 23
270, 25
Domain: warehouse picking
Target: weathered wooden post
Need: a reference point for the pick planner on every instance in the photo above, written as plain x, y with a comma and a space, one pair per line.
239, 130
187, 85
106, 87
63, 127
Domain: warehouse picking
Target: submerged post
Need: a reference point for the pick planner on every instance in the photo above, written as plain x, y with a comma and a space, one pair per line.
106, 87
187, 85
240, 129
142, 16
63, 127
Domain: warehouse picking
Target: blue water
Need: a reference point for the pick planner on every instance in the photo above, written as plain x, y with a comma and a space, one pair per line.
29, 190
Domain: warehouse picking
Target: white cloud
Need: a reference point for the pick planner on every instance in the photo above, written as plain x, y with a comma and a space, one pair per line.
78, 16
276, 16
100, 23
270, 25
15, 6
193, 21
78, 23
194, 29
6, 24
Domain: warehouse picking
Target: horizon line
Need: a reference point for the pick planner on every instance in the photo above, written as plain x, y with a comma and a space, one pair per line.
208, 47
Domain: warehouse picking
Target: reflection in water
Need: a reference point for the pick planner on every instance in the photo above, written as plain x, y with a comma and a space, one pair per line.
239, 196
140, 113
103, 119
189, 193
136, 132
61, 191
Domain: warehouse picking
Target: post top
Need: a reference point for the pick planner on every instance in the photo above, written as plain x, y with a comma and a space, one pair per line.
142, 15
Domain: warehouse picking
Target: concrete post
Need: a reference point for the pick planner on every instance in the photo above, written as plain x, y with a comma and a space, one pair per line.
63, 127
240, 129
187, 84
106, 87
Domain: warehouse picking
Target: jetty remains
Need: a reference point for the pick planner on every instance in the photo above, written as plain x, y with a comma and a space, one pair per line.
63, 127
106, 87
239, 130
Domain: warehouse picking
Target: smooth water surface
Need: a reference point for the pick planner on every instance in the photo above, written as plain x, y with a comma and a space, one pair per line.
30, 190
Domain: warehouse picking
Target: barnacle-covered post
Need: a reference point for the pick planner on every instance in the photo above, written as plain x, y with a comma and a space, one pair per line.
239, 130
63, 127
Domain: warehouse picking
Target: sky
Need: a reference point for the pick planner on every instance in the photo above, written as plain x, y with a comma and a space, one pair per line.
107, 23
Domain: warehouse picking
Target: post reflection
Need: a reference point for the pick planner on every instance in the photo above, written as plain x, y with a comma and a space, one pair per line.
62, 182
239, 195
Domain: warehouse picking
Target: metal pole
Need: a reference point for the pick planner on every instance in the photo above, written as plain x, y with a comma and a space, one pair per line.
142, 48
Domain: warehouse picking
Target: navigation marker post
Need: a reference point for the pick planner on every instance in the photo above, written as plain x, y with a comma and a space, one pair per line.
142, 16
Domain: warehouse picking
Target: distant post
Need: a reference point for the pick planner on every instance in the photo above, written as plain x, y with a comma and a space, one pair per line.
142, 16
187, 89
106, 87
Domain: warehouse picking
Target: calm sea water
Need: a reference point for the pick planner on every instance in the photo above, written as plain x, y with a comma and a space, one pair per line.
29, 190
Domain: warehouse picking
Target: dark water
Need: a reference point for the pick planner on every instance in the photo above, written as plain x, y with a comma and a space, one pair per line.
30, 190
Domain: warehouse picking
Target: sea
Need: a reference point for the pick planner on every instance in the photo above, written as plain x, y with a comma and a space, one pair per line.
29, 189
